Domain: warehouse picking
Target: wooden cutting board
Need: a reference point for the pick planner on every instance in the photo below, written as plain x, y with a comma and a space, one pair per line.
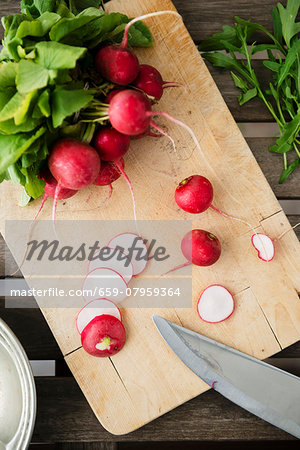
145, 380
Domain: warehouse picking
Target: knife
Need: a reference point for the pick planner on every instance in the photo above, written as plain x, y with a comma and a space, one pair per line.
264, 390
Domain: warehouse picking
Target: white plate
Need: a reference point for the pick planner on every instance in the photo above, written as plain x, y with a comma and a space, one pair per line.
17, 393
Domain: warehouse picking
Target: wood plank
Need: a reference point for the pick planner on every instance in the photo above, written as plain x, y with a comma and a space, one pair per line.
201, 18
205, 418
87, 446
238, 182
33, 332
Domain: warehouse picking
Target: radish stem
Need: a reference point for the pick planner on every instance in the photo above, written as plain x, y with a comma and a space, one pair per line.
124, 43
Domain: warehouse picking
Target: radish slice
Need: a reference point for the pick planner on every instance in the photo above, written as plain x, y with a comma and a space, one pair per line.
94, 309
117, 261
104, 282
128, 242
215, 304
264, 246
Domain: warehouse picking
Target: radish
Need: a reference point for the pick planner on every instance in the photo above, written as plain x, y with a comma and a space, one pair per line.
119, 64
134, 247
201, 247
96, 308
215, 304
128, 112
104, 282
109, 172
264, 246
74, 164
115, 259
150, 81
194, 194
111, 144
104, 336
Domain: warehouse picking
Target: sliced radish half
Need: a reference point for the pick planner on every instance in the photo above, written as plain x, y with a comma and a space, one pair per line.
133, 246
114, 259
94, 309
106, 283
264, 246
215, 304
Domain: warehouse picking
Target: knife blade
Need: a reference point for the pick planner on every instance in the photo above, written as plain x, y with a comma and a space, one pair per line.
266, 391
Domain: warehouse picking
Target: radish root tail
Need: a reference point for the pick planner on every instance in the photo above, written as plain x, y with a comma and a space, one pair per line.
286, 231
228, 216
164, 133
120, 168
188, 263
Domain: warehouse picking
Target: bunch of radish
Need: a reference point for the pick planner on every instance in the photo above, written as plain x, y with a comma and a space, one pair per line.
120, 114
100, 322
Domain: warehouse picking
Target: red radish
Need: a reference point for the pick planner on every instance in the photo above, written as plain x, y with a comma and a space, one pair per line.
111, 144
264, 246
104, 336
215, 304
115, 259
108, 172
117, 64
194, 194
74, 164
201, 247
128, 112
96, 308
134, 247
104, 282
150, 81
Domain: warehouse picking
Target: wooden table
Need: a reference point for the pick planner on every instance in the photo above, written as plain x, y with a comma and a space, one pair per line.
64, 416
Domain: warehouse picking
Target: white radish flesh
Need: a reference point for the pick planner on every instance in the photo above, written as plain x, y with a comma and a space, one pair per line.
264, 246
128, 241
115, 260
94, 309
215, 304
104, 282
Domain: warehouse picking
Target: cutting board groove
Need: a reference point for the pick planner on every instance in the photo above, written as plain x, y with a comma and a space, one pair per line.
146, 379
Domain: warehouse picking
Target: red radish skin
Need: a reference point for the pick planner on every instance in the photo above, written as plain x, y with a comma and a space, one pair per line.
118, 65
109, 173
104, 336
194, 194
94, 309
74, 164
150, 81
201, 247
128, 112
111, 144
264, 246
220, 298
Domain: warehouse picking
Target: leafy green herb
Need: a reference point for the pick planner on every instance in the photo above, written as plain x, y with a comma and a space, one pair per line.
283, 96
47, 77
